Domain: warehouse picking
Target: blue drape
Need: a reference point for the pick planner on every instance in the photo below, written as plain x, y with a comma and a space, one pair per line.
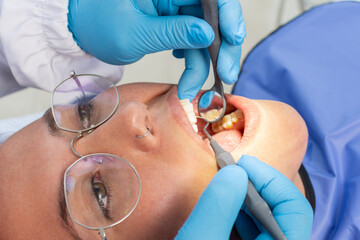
313, 64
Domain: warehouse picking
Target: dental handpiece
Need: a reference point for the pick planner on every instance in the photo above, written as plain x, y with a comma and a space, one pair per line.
256, 205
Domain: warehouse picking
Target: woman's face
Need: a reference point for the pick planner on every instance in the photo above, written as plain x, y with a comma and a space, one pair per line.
174, 163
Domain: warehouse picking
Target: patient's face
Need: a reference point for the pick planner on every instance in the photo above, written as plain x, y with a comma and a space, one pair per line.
174, 163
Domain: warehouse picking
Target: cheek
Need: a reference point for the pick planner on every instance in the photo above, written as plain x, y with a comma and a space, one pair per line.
173, 179
281, 139
169, 193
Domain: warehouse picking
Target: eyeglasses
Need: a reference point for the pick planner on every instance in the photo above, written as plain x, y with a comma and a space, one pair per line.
101, 190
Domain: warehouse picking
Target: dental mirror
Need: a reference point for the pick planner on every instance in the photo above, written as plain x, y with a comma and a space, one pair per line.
212, 104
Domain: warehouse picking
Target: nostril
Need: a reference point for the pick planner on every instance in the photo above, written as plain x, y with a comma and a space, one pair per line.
140, 123
147, 128
148, 122
134, 121
145, 134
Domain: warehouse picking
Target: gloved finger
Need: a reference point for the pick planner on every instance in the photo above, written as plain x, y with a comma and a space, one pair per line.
205, 99
166, 7
290, 208
214, 215
197, 64
178, 53
231, 21
246, 227
228, 62
175, 32
194, 10
186, 2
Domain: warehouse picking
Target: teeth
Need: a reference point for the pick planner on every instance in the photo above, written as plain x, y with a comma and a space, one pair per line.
235, 116
227, 121
191, 117
217, 127
195, 127
189, 110
212, 114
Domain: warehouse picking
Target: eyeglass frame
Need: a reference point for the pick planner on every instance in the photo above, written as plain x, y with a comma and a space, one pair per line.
81, 157
72, 75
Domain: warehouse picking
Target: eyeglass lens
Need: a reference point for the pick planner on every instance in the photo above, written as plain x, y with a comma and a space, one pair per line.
101, 189
83, 101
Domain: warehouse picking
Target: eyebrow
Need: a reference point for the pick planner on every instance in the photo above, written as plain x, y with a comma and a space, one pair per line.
49, 119
69, 228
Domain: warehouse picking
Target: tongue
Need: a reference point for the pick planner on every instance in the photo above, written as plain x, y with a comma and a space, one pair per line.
228, 139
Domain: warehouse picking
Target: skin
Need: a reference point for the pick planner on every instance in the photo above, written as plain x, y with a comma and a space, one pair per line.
173, 170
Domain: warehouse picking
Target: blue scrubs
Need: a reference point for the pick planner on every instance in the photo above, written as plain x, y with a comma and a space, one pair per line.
313, 64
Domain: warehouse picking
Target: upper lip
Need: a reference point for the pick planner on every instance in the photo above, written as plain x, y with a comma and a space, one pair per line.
181, 117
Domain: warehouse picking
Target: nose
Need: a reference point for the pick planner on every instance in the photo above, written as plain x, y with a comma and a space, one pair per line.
120, 132
134, 119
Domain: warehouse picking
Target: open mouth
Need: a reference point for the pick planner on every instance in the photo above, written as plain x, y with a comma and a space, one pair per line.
235, 130
228, 131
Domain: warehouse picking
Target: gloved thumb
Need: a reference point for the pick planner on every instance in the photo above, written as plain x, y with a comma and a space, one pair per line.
176, 32
290, 208
215, 213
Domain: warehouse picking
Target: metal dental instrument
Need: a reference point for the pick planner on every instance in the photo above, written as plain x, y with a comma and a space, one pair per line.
213, 98
253, 201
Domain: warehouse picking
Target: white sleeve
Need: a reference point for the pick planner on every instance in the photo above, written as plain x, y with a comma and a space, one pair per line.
38, 47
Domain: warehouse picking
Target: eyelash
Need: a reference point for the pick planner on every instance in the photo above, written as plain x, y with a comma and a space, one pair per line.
96, 178
82, 102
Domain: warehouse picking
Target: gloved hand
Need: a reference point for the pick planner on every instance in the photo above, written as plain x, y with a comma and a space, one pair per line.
215, 213
197, 61
218, 207
123, 31
290, 208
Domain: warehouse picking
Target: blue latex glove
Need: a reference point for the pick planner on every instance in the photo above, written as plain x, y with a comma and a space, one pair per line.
215, 213
123, 31
197, 61
206, 99
217, 209
290, 208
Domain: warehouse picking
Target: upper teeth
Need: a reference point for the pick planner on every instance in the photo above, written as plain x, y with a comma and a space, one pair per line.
189, 110
212, 114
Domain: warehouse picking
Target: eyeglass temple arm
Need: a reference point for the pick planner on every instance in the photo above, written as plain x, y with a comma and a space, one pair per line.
73, 75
